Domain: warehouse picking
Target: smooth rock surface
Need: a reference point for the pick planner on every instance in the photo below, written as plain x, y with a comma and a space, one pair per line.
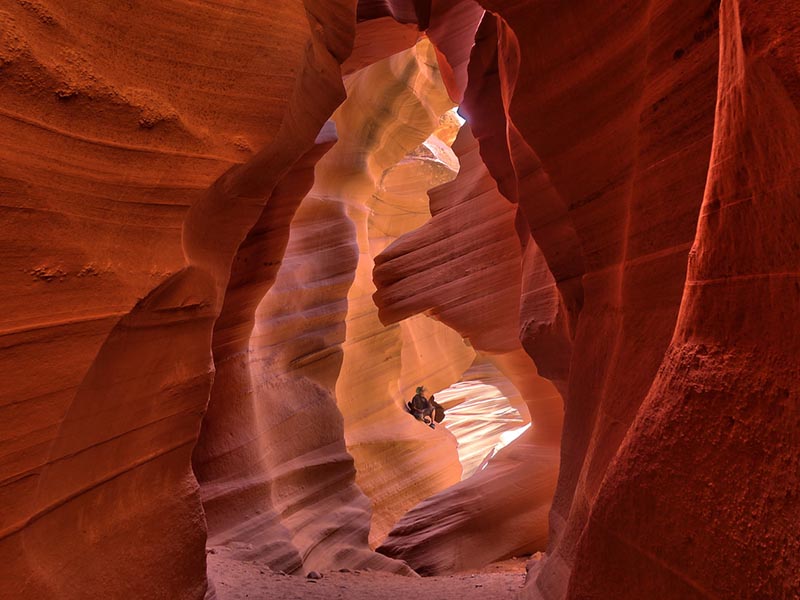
199, 284
137, 152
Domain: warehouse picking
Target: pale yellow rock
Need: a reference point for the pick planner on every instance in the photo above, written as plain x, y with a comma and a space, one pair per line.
321, 359
399, 461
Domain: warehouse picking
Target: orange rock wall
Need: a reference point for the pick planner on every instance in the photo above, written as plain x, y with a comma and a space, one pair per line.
631, 166
598, 121
116, 119
712, 462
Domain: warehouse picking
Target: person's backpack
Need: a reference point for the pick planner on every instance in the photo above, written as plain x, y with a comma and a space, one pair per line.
438, 410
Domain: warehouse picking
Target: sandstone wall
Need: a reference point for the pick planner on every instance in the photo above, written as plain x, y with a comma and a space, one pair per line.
465, 267
598, 121
712, 462
625, 216
608, 139
608, 133
300, 358
116, 119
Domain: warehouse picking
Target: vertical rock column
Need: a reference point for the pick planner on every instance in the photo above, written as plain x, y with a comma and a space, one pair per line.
702, 500
598, 121
399, 460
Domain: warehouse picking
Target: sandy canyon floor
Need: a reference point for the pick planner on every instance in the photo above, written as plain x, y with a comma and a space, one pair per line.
237, 580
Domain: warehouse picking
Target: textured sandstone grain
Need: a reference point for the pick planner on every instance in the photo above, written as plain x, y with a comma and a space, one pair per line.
716, 440
115, 121
621, 240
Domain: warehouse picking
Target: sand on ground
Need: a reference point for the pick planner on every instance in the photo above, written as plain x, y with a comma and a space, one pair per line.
239, 580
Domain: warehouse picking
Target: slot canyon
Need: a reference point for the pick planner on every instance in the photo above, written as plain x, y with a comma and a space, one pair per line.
238, 235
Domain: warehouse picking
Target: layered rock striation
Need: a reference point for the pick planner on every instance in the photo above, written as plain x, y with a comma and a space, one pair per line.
465, 267
301, 359
603, 139
715, 443
201, 284
137, 152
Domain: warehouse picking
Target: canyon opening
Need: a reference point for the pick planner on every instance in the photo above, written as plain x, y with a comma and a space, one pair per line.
238, 237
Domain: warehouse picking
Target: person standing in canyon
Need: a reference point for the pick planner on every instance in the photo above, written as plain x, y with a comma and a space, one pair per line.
421, 408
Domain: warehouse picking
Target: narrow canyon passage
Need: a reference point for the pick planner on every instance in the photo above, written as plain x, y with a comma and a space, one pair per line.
274, 453
239, 236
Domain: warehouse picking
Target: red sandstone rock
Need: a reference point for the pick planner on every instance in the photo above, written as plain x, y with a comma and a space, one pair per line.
115, 120
148, 151
711, 466
481, 519
608, 135
463, 266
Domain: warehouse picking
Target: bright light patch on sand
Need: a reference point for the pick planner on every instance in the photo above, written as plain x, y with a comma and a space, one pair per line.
485, 413
509, 436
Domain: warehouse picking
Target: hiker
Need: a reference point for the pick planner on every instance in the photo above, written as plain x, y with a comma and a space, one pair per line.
421, 408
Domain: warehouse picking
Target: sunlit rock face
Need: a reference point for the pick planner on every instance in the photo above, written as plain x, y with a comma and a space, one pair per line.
399, 461
485, 412
319, 363
465, 267
620, 239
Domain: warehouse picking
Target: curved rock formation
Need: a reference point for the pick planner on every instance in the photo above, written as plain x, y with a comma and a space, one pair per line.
188, 281
277, 480
378, 175
450, 531
603, 138
464, 266
113, 124
716, 440
399, 461
233, 469
614, 157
